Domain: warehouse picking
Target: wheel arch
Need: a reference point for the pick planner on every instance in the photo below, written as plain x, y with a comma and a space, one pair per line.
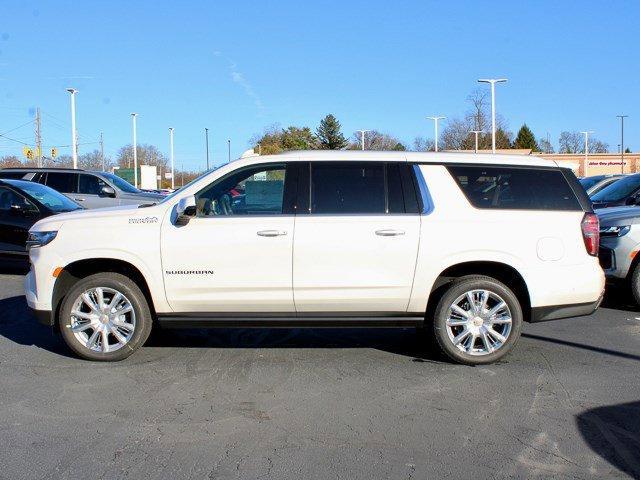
502, 272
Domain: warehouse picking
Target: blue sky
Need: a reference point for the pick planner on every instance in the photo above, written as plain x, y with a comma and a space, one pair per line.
236, 67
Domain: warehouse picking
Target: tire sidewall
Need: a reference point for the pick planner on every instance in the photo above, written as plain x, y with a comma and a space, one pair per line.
134, 295
458, 288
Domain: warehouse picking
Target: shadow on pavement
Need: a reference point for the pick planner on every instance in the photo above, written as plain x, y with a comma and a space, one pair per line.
592, 348
18, 325
618, 297
613, 432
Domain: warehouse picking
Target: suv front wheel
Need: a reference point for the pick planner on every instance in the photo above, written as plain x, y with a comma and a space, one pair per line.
105, 317
477, 320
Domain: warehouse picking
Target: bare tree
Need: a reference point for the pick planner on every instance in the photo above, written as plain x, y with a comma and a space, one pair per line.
478, 116
375, 140
598, 146
93, 161
457, 135
545, 146
10, 161
147, 155
422, 144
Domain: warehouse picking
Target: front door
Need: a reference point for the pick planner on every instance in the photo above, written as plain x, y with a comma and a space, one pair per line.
90, 192
356, 249
17, 215
236, 254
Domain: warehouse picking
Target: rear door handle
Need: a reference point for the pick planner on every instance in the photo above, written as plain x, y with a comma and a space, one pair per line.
389, 232
271, 233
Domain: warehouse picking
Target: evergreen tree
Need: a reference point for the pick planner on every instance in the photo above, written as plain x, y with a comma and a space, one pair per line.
329, 135
526, 139
503, 139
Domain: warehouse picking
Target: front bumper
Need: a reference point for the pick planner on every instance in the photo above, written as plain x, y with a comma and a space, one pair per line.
44, 317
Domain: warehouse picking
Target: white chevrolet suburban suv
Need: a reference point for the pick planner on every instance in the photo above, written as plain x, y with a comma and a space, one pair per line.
466, 246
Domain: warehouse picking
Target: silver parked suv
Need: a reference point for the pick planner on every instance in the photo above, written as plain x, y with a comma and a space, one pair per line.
619, 246
90, 189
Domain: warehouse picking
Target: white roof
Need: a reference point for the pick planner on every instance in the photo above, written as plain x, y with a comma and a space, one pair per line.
418, 157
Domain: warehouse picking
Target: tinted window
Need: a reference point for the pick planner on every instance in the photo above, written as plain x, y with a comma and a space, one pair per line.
11, 200
62, 181
90, 184
515, 188
16, 175
347, 188
48, 197
251, 191
619, 190
121, 183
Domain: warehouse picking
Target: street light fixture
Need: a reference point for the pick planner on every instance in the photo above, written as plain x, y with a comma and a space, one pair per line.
622, 117
492, 82
586, 150
74, 136
362, 132
476, 133
435, 126
135, 151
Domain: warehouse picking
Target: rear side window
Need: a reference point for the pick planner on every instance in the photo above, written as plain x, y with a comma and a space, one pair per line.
63, 182
13, 175
515, 188
344, 188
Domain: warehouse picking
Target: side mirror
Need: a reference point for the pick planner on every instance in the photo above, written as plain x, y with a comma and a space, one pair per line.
107, 191
186, 210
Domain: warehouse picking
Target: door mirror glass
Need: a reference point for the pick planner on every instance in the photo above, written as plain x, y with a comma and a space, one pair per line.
186, 209
107, 191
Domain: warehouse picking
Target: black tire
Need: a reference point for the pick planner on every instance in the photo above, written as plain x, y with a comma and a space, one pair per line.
460, 287
122, 284
635, 283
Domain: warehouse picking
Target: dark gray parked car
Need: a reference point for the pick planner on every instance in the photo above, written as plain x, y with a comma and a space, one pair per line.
90, 189
620, 245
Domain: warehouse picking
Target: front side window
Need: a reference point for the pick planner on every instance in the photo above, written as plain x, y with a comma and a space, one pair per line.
348, 188
48, 197
250, 191
63, 182
619, 190
515, 188
10, 200
90, 184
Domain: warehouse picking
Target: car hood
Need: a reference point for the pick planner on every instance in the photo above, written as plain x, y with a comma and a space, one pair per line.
132, 211
143, 196
611, 217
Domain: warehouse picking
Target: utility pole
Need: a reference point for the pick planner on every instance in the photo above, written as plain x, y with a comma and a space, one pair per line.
228, 150
102, 151
135, 151
206, 137
74, 133
362, 132
492, 82
38, 140
622, 117
476, 132
435, 126
586, 150
173, 185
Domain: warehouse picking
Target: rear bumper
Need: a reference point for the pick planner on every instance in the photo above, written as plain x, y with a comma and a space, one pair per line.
556, 312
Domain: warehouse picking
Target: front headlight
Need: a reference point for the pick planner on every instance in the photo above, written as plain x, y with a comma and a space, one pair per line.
615, 231
39, 239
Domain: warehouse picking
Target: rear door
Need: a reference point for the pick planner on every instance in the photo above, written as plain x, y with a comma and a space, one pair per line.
355, 247
64, 182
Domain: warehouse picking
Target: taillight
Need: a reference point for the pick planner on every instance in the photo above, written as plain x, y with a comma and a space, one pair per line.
591, 233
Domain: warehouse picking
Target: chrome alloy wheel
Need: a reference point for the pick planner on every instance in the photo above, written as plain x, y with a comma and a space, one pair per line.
103, 319
479, 322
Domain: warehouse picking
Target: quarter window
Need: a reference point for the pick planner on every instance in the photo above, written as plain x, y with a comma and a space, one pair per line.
63, 182
251, 191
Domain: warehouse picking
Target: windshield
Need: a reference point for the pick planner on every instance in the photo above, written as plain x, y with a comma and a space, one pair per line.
618, 190
589, 182
51, 199
204, 174
121, 183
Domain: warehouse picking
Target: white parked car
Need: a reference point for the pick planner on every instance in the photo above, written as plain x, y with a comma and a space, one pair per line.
468, 246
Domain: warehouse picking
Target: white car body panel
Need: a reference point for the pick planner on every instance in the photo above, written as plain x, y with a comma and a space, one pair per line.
325, 263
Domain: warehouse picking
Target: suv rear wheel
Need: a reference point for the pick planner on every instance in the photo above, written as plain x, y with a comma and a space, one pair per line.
105, 317
477, 321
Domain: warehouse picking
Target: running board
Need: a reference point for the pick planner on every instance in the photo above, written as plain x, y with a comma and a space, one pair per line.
282, 321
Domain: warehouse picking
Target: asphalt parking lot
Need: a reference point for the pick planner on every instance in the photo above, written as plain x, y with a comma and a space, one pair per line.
321, 403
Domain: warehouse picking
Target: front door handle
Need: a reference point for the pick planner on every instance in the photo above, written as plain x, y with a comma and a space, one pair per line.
79, 199
271, 233
389, 232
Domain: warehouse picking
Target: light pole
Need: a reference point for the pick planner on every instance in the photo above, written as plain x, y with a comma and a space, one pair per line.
492, 82
476, 132
206, 140
173, 185
362, 132
228, 150
586, 150
622, 117
435, 126
74, 137
135, 151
